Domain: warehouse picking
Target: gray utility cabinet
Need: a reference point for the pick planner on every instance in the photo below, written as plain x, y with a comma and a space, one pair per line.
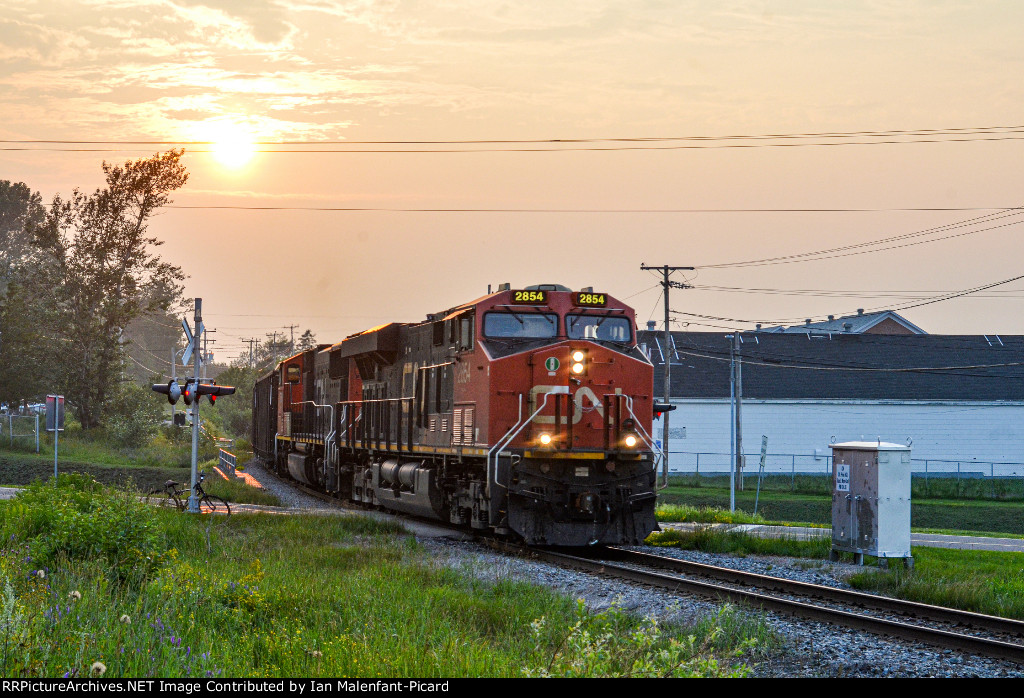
871, 501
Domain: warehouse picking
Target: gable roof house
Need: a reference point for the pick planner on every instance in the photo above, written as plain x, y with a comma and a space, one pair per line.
958, 399
881, 322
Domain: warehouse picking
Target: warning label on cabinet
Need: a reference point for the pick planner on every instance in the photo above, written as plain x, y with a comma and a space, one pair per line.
842, 477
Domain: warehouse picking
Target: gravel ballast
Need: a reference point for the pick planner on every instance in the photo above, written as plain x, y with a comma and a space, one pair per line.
809, 649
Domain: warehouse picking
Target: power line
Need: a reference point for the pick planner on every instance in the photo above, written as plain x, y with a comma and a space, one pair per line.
976, 130
381, 209
412, 151
836, 293
859, 248
905, 306
724, 356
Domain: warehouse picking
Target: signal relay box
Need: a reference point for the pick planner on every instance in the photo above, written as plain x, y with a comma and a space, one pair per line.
871, 501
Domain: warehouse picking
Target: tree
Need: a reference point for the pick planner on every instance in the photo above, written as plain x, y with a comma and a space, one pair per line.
23, 314
268, 353
235, 410
21, 209
307, 341
97, 257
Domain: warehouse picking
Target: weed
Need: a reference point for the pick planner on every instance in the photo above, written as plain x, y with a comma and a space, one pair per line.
706, 539
610, 644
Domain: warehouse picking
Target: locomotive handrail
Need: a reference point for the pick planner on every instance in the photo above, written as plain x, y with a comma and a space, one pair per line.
327, 440
350, 442
643, 432
513, 433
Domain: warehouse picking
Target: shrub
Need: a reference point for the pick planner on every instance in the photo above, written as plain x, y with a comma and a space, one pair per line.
80, 520
133, 415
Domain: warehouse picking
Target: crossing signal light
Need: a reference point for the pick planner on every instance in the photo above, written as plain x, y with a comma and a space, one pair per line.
660, 408
214, 391
172, 390
192, 391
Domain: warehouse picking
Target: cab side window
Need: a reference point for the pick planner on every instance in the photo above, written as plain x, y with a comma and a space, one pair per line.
466, 335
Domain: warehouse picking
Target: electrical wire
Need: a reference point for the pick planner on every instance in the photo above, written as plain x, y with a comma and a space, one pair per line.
823, 134
379, 209
933, 134
904, 306
858, 248
723, 356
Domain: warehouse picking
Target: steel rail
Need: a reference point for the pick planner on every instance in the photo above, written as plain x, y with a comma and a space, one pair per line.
846, 596
879, 626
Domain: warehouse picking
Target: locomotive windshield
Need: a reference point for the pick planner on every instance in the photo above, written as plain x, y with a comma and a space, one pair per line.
602, 328
521, 325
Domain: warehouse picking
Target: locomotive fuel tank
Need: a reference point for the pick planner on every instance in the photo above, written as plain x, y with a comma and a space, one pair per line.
409, 487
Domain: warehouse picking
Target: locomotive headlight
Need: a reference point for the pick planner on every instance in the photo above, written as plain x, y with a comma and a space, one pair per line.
630, 441
577, 356
577, 368
545, 439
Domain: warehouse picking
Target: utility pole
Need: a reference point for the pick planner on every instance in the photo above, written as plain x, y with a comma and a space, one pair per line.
250, 342
739, 409
193, 503
292, 329
206, 348
666, 284
273, 346
736, 417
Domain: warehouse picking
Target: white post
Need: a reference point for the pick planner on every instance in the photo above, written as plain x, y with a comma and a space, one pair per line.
732, 424
37, 432
193, 503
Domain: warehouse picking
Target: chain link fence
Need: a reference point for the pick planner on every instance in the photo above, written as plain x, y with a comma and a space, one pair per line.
812, 473
22, 429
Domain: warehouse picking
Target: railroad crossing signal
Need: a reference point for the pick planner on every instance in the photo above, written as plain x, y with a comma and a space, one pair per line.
172, 390
661, 407
214, 391
192, 390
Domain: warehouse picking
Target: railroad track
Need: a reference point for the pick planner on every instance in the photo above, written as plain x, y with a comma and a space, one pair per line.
812, 600
628, 565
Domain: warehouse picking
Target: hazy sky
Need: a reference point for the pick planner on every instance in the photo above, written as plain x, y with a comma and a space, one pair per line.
333, 70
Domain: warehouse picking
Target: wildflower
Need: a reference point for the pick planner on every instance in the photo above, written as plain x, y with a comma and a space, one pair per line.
97, 669
75, 596
126, 619
41, 574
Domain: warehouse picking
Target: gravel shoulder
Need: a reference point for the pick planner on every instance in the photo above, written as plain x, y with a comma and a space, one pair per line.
810, 649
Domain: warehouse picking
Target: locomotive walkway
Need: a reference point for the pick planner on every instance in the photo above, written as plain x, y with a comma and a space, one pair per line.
928, 540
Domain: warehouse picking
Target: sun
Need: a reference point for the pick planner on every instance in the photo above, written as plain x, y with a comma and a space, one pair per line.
232, 145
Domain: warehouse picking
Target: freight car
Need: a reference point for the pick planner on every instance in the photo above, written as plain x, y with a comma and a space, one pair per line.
527, 412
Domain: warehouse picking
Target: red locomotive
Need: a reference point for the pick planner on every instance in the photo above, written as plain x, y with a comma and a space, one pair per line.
526, 411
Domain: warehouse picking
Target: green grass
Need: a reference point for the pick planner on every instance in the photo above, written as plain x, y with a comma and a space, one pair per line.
168, 448
19, 469
236, 490
995, 517
974, 580
708, 540
148, 592
696, 514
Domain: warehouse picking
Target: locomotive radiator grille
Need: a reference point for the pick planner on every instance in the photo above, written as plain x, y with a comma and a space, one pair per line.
457, 426
462, 426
